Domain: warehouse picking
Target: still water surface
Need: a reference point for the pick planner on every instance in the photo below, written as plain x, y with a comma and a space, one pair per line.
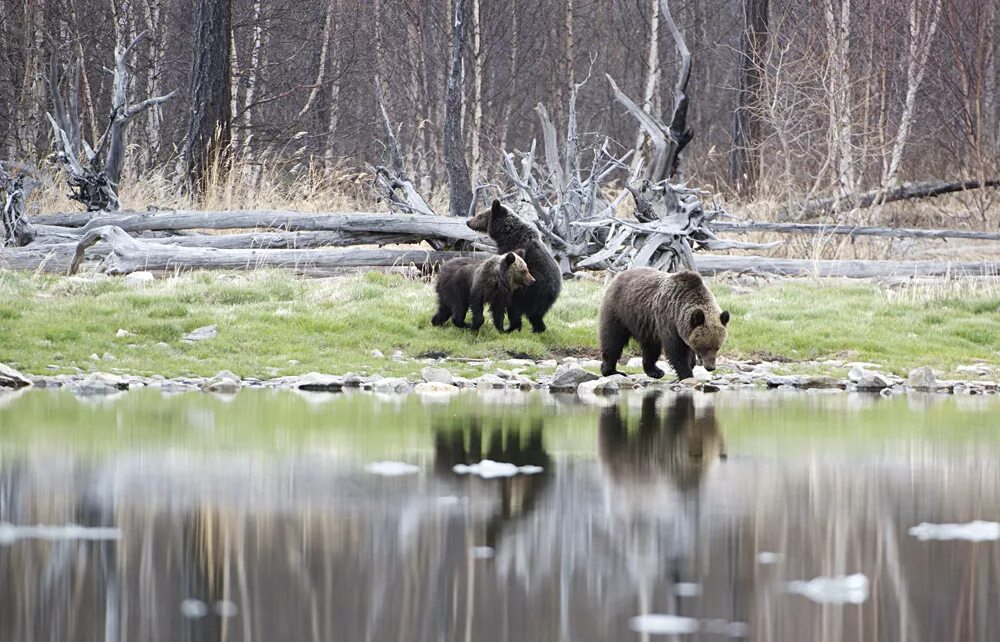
762, 516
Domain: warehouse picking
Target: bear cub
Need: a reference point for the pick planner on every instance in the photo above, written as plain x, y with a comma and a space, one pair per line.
510, 232
465, 283
674, 314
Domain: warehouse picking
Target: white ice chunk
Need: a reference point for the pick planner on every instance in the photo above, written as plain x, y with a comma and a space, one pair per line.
661, 624
687, 589
489, 469
482, 552
767, 557
842, 589
977, 531
194, 609
391, 468
10, 533
226, 608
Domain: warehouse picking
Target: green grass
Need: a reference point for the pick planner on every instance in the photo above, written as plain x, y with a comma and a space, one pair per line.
267, 319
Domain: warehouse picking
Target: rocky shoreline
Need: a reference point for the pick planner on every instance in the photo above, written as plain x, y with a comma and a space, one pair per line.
570, 375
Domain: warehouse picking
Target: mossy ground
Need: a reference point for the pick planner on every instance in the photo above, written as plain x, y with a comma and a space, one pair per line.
272, 323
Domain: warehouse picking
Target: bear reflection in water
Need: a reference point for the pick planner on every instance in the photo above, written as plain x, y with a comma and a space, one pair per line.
466, 442
682, 444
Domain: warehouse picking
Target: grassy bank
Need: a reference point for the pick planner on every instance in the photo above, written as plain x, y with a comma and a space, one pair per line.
272, 323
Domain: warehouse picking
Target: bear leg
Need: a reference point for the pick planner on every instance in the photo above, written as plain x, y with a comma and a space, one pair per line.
497, 312
614, 338
458, 316
515, 319
537, 323
681, 358
441, 316
477, 314
650, 355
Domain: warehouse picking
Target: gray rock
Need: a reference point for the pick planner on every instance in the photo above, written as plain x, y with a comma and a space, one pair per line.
868, 381
397, 355
547, 363
10, 378
107, 356
568, 378
436, 375
377, 354
123, 333
352, 380
922, 378
316, 382
523, 382
201, 334
223, 383
434, 388
821, 382
489, 382
139, 279
100, 383
606, 385
392, 384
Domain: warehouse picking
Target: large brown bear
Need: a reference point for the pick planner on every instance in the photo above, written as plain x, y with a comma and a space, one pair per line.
464, 283
666, 313
510, 232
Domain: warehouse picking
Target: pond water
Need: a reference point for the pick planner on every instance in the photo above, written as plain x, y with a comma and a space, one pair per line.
283, 516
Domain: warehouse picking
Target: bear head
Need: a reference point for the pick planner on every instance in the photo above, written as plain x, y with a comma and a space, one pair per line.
707, 334
481, 221
516, 269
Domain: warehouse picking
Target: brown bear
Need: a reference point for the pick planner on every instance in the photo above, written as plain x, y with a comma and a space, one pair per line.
510, 232
674, 314
466, 282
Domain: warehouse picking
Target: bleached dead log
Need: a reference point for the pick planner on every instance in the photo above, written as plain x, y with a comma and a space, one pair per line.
924, 189
850, 230
128, 254
417, 227
95, 183
847, 269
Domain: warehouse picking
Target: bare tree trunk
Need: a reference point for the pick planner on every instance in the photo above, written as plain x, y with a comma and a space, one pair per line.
744, 157
154, 117
652, 73
838, 35
477, 93
208, 133
324, 51
252, 74
921, 38
459, 185
508, 104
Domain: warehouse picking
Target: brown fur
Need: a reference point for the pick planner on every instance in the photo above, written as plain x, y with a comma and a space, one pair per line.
464, 283
510, 232
674, 314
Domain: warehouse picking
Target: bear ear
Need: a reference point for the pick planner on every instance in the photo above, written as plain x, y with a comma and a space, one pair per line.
497, 209
509, 258
520, 252
697, 318
724, 317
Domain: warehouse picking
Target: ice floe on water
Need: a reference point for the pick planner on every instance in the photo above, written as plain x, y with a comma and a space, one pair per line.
663, 624
194, 609
841, 589
488, 469
392, 468
977, 531
687, 589
666, 624
10, 533
767, 557
482, 552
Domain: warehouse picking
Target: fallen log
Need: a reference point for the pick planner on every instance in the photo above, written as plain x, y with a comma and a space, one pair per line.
852, 269
924, 189
282, 240
427, 227
851, 230
131, 255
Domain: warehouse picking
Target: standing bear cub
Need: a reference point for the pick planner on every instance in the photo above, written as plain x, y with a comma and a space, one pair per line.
671, 313
465, 283
510, 232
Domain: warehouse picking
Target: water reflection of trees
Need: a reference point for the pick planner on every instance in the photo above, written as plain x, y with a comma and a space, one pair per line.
310, 549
